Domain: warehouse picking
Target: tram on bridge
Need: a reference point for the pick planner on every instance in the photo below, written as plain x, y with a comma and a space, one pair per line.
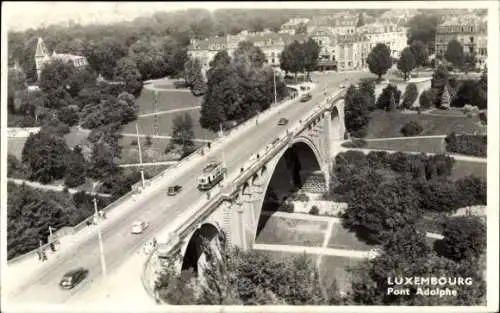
213, 173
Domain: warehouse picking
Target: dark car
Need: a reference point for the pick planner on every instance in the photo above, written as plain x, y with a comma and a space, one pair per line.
73, 277
306, 97
282, 121
173, 190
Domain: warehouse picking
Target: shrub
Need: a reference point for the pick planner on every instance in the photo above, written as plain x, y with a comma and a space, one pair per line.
302, 197
475, 145
483, 117
133, 142
149, 141
389, 98
464, 238
355, 143
410, 95
411, 128
314, 210
426, 99
287, 207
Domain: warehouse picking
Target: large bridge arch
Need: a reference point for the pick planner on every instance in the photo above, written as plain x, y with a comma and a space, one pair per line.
193, 256
309, 159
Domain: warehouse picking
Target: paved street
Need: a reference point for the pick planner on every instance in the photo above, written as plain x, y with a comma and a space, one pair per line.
158, 209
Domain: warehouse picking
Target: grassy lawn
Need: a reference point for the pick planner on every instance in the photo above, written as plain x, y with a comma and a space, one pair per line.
341, 238
167, 100
277, 230
150, 171
464, 168
388, 124
15, 146
152, 153
165, 124
335, 267
433, 145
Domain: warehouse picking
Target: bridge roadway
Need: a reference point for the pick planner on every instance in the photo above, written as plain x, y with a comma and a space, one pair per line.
158, 208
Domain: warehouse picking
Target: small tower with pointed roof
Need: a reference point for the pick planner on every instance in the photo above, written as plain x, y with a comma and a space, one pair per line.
41, 56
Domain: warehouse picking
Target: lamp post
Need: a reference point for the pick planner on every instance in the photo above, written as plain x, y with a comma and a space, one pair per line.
140, 154
274, 84
99, 237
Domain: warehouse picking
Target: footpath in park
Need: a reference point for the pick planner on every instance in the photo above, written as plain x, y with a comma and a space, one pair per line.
61, 188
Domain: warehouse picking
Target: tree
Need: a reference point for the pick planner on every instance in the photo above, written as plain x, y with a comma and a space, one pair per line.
149, 58
381, 209
55, 75
420, 53
76, 170
29, 214
471, 191
357, 114
101, 164
410, 96
193, 76
367, 88
16, 82
422, 27
292, 58
46, 156
411, 128
464, 238
389, 98
126, 71
311, 54
406, 62
182, 131
104, 53
247, 52
455, 54
379, 60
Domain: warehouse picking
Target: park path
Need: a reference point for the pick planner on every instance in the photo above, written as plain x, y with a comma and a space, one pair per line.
402, 138
162, 137
197, 107
38, 185
455, 156
313, 250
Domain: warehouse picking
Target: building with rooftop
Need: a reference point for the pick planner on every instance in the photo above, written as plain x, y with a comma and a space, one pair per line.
469, 31
271, 44
291, 26
391, 35
340, 51
42, 57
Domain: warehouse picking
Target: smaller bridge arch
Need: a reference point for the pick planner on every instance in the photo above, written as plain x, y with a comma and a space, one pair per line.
194, 257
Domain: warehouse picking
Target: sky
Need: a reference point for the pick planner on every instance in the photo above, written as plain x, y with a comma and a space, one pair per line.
24, 15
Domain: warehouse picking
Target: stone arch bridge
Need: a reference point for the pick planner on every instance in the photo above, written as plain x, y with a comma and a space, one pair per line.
300, 159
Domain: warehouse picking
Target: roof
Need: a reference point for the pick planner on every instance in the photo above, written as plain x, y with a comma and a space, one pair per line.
351, 38
211, 166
